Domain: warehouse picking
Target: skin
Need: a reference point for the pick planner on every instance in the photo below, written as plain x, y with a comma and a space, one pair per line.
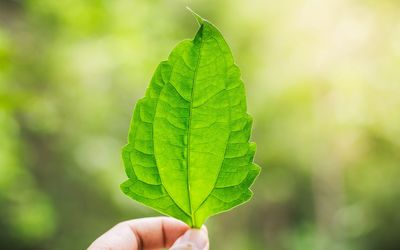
146, 233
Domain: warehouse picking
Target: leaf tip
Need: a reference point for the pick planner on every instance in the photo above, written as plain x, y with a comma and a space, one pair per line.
199, 19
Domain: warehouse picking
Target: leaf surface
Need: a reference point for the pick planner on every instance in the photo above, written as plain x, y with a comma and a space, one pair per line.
188, 153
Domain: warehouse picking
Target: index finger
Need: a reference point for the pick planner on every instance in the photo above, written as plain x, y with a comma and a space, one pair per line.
147, 233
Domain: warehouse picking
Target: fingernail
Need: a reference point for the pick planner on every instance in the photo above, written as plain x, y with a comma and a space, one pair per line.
193, 239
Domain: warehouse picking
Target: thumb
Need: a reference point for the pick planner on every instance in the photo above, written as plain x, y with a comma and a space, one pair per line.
193, 239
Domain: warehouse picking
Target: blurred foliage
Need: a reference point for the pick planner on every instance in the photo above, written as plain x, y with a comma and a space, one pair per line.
323, 85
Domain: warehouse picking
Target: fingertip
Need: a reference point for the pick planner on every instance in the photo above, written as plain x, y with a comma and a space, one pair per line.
204, 228
193, 239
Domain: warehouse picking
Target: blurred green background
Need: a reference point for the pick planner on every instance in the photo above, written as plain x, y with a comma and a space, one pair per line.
323, 85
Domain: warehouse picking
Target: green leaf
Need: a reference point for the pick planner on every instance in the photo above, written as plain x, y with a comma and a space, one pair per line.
189, 154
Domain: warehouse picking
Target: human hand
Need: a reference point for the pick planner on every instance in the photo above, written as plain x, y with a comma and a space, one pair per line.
152, 233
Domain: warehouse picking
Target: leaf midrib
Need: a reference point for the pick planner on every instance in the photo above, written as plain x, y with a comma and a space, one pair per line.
219, 171
189, 126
